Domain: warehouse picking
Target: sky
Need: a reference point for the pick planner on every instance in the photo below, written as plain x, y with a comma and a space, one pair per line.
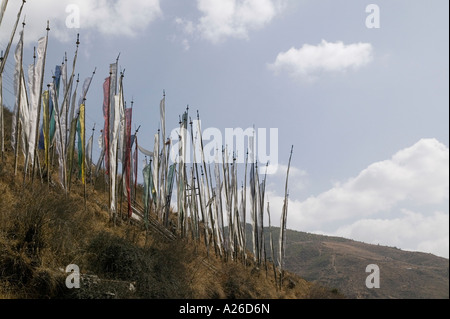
360, 89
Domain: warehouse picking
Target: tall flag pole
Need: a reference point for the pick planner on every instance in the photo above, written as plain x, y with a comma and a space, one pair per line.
40, 67
111, 120
244, 206
82, 121
164, 163
74, 120
101, 142
71, 132
113, 155
81, 127
155, 177
61, 115
32, 83
2, 10
122, 142
2, 67
46, 130
136, 155
20, 98
59, 139
2, 126
120, 149
56, 81
68, 94
72, 108
89, 152
146, 173
118, 99
272, 250
205, 173
181, 192
86, 86
283, 222
128, 119
8, 47
65, 89
15, 119
2, 130
71, 147
197, 178
106, 108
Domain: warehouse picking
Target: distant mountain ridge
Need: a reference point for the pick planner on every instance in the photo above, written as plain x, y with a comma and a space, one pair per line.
341, 263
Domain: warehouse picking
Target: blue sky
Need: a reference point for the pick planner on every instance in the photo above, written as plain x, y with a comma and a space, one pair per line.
366, 108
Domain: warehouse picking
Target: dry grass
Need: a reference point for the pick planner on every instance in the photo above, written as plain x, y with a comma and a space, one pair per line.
42, 231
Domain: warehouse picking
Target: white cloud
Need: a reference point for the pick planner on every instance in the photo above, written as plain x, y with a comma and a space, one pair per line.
111, 18
412, 231
418, 175
297, 182
188, 26
310, 61
222, 19
377, 206
186, 45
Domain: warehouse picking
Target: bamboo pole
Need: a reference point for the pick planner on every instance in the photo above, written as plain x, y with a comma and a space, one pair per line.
19, 102
36, 152
84, 155
282, 240
108, 146
90, 158
3, 9
208, 183
226, 186
197, 179
32, 88
64, 168
119, 188
261, 203
13, 32
272, 248
68, 99
47, 152
65, 101
136, 163
244, 209
2, 130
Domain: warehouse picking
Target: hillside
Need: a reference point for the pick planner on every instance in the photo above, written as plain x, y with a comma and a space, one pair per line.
43, 230
341, 263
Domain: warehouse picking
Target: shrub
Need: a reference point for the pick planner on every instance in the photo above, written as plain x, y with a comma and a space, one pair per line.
319, 292
158, 272
236, 283
115, 258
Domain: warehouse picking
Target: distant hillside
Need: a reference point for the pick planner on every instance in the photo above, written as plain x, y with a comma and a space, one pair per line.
341, 263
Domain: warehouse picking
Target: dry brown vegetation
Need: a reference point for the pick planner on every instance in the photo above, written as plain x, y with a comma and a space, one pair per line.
43, 231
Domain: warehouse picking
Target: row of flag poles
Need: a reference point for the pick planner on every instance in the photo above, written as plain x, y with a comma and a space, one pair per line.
117, 140
63, 116
211, 206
